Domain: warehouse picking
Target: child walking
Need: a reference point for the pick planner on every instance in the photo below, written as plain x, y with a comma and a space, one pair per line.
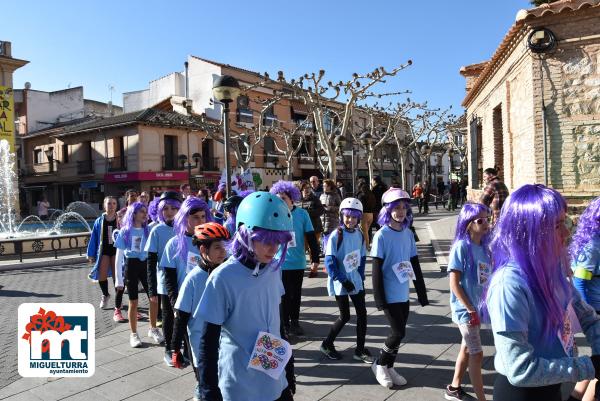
395, 263
345, 258
242, 355
469, 269
210, 239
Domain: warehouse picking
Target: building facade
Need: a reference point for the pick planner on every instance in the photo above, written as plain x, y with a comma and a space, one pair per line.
533, 109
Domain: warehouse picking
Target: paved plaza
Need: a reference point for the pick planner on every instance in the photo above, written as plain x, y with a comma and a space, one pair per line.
426, 356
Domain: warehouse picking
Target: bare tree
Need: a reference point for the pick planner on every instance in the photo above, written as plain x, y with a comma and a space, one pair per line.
292, 139
322, 97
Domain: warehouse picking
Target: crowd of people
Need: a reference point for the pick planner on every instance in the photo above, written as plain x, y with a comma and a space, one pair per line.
223, 277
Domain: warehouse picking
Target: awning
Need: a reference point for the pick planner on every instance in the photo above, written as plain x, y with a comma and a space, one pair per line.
300, 109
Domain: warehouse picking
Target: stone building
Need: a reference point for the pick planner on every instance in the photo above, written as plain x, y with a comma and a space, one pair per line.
533, 109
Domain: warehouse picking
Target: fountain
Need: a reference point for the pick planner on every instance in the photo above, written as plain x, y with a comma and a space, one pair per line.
8, 187
82, 208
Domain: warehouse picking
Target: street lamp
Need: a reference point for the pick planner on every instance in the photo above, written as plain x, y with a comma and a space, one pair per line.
450, 157
196, 157
426, 151
50, 155
365, 139
225, 90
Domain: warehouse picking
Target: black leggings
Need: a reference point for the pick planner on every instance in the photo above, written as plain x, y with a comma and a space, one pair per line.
503, 390
167, 320
397, 315
290, 301
361, 318
136, 271
286, 395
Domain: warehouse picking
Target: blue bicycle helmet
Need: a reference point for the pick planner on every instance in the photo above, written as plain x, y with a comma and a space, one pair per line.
264, 210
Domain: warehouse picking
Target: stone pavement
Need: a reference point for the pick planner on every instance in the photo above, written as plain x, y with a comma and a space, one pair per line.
426, 356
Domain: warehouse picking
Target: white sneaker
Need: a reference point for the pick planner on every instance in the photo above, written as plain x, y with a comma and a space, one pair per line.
104, 301
382, 375
156, 335
397, 378
134, 340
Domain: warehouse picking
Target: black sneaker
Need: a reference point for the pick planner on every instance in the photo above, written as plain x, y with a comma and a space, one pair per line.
296, 329
330, 352
363, 356
457, 395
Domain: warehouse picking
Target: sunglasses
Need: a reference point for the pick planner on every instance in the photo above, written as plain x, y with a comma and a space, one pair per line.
483, 220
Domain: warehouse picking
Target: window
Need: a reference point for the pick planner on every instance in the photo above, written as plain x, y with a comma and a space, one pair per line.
65, 153
269, 150
170, 156
37, 156
244, 112
269, 117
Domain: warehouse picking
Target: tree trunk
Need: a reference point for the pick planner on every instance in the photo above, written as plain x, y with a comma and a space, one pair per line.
402, 171
370, 165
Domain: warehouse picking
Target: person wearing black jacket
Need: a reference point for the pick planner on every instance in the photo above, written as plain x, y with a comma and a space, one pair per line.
311, 203
368, 200
395, 263
378, 188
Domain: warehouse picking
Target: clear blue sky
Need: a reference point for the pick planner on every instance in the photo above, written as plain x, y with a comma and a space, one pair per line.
128, 43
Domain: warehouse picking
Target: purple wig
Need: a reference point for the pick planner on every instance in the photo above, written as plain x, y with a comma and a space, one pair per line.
526, 235
288, 188
385, 215
587, 228
189, 206
350, 213
128, 219
153, 209
171, 202
468, 214
241, 245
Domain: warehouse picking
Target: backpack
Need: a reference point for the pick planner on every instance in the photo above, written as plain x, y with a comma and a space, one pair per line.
340, 237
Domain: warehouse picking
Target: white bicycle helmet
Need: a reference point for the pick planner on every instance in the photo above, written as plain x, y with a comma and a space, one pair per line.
351, 203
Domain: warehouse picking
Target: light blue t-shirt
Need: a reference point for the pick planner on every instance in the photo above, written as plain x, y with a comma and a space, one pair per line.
460, 260
295, 259
157, 243
243, 305
188, 300
394, 247
136, 246
184, 265
348, 257
589, 259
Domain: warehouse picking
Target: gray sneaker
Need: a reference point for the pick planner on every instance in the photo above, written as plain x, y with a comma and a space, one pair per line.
458, 395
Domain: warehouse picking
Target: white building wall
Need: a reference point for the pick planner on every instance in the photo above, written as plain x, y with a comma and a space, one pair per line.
46, 108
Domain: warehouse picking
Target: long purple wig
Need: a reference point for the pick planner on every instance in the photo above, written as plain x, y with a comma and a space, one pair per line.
350, 213
153, 209
288, 188
189, 206
468, 214
241, 245
587, 228
161, 205
526, 234
128, 220
385, 214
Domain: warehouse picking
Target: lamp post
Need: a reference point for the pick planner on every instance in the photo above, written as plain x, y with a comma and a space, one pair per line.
340, 143
189, 166
225, 90
450, 157
366, 139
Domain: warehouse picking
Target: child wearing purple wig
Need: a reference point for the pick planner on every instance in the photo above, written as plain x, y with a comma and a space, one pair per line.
168, 205
395, 263
180, 257
469, 268
240, 308
130, 244
292, 270
585, 263
345, 258
532, 305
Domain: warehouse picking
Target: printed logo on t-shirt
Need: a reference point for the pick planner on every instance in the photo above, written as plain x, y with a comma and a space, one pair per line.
352, 261
110, 235
270, 354
193, 259
566, 334
136, 243
484, 271
404, 271
292, 243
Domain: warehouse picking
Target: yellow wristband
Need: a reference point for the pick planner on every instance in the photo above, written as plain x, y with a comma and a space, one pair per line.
583, 273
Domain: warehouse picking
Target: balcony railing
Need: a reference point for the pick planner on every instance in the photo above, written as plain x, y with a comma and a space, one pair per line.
171, 163
85, 167
118, 163
210, 164
40, 168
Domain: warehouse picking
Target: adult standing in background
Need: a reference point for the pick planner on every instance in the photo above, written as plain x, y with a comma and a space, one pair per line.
378, 187
186, 191
316, 187
42, 208
494, 193
315, 210
367, 198
331, 201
